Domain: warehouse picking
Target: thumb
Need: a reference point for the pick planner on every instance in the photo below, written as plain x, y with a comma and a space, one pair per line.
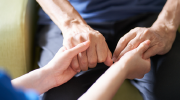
151, 52
78, 48
143, 46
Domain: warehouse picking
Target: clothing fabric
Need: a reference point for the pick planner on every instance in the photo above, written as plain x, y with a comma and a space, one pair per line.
110, 10
161, 83
8, 92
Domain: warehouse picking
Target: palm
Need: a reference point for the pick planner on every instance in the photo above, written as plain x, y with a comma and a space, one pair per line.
65, 76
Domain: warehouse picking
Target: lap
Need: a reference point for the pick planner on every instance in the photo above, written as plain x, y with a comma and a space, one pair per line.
50, 39
161, 82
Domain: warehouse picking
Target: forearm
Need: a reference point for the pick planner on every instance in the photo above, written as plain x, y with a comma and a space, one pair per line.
107, 85
169, 18
39, 80
62, 13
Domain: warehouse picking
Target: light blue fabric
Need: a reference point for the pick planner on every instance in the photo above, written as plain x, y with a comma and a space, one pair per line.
110, 10
8, 92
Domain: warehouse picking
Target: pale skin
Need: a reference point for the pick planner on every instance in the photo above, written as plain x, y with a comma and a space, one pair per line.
75, 30
161, 34
58, 71
130, 66
55, 73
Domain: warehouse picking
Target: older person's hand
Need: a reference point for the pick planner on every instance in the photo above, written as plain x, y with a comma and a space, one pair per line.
97, 52
161, 41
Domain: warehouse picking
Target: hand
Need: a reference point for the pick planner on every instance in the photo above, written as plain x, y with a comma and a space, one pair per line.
161, 41
133, 63
59, 66
97, 52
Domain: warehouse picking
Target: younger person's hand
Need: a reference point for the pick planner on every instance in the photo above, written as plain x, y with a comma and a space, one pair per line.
134, 63
59, 66
131, 65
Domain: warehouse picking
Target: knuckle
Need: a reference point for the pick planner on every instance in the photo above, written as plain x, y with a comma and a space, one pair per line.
137, 28
131, 45
79, 37
91, 36
69, 39
131, 30
123, 40
145, 32
100, 60
100, 37
92, 63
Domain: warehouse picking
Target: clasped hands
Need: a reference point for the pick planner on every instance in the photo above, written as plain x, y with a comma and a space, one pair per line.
87, 48
98, 51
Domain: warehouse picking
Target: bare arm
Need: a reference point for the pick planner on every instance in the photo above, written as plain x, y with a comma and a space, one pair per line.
55, 73
62, 13
75, 30
169, 18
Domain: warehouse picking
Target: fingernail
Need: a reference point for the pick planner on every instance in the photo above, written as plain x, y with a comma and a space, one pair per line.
113, 59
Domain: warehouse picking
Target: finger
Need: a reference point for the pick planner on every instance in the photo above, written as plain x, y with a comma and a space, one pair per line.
148, 65
62, 49
122, 44
101, 51
152, 51
79, 48
82, 58
134, 43
109, 61
74, 63
140, 76
92, 56
143, 47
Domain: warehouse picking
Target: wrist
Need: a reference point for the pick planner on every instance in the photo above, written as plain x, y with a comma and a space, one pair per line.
121, 69
77, 28
166, 27
47, 78
69, 22
167, 20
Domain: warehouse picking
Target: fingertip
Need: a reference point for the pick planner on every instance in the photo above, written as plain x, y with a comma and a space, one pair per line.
114, 59
143, 46
147, 42
108, 62
109, 58
78, 70
86, 42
